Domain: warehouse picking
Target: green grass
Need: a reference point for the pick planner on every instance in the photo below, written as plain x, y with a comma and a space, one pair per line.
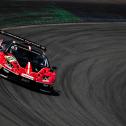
50, 14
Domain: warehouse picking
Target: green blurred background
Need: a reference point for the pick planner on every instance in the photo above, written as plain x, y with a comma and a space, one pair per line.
21, 13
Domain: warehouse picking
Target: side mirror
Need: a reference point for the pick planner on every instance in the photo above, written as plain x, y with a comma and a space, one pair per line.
53, 68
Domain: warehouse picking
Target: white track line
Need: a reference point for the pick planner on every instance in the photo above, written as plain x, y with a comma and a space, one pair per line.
63, 24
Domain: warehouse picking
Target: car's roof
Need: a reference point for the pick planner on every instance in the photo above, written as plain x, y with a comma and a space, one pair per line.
21, 40
24, 46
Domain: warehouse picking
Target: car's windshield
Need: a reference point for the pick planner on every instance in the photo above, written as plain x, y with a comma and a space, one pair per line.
24, 56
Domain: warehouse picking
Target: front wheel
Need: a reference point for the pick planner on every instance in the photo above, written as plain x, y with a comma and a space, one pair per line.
46, 88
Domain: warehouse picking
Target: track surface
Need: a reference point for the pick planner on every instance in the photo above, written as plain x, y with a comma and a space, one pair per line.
91, 78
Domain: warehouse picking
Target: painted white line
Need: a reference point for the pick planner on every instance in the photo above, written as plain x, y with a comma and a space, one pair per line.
63, 24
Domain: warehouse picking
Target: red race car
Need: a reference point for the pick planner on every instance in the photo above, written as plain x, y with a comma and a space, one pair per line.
25, 61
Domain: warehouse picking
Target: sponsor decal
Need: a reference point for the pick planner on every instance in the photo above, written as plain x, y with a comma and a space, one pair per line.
3, 76
5, 70
27, 76
8, 66
10, 58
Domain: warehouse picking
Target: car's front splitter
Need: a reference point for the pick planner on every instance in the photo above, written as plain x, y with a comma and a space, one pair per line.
5, 73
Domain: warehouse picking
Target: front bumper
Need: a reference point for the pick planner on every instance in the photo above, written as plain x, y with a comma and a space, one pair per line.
23, 80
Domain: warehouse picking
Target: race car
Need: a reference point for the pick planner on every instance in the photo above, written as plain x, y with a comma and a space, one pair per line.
25, 61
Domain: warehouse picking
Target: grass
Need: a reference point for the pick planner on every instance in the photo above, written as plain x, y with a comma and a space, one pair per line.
17, 15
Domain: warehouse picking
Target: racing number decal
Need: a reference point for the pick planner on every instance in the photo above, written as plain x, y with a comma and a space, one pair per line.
10, 58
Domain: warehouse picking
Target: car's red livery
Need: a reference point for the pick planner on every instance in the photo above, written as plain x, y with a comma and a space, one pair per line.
25, 61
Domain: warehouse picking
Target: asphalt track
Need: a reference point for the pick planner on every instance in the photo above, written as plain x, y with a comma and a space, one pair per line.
91, 60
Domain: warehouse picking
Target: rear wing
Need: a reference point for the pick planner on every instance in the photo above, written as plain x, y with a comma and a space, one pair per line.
25, 41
